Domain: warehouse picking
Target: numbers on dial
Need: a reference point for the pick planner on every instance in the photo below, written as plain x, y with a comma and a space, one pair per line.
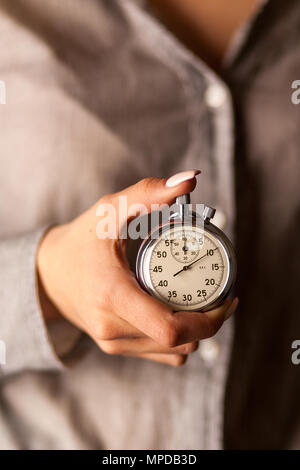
161, 254
188, 268
157, 269
172, 293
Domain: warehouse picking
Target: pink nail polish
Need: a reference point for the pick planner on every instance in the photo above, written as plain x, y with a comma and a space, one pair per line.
181, 177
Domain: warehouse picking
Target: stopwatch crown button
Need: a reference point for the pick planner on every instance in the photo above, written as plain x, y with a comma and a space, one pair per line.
208, 213
183, 199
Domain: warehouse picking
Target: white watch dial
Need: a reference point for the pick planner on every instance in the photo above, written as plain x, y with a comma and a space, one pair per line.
186, 267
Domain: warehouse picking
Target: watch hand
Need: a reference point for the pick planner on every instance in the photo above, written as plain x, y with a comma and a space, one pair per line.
185, 268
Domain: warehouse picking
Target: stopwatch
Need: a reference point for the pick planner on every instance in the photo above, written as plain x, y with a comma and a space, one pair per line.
187, 264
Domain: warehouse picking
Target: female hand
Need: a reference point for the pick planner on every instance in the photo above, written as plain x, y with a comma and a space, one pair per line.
89, 282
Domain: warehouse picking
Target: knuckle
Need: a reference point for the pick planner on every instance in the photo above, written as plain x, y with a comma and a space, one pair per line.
109, 347
107, 199
103, 331
195, 346
170, 335
178, 361
146, 184
190, 348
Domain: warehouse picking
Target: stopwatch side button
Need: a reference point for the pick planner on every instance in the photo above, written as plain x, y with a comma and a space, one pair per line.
208, 213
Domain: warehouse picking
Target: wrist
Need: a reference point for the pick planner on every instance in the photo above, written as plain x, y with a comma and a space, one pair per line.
46, 253
49, 311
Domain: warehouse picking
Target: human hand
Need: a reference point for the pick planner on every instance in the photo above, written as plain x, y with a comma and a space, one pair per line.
89, 282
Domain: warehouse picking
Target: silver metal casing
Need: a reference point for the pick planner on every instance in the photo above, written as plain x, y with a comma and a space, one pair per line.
150, 242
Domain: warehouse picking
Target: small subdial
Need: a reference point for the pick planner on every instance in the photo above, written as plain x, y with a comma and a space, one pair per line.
185, 249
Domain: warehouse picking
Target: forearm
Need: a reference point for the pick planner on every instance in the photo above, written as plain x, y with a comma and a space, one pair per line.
24, 329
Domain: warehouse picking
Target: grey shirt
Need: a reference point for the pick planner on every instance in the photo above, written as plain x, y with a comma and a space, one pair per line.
99, 95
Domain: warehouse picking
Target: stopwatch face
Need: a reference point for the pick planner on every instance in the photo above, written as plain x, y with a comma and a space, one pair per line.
186, 267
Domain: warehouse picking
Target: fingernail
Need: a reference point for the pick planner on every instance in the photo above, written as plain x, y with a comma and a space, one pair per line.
181, 177
232, 308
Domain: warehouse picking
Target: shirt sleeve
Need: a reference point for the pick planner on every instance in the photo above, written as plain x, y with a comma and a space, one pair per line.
27, 341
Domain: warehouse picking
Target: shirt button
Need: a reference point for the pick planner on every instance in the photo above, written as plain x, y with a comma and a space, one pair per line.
209, 350
215, 95
220, 219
